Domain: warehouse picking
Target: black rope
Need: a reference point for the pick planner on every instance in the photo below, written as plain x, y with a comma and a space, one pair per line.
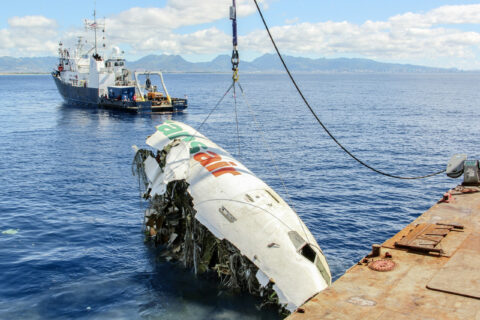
320, 122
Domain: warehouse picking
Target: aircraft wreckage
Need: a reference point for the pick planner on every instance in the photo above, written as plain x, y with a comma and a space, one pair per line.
211, 213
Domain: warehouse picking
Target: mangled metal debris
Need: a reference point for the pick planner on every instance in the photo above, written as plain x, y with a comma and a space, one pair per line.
211, 213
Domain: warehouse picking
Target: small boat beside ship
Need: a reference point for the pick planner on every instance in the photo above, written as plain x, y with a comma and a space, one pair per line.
85, 77
142, 97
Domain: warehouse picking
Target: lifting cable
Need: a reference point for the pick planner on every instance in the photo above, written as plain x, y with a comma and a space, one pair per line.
214, 108
320, 122
272, 159
235, 61
236, 119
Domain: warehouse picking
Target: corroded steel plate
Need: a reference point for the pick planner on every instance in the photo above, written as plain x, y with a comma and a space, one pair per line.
382, 265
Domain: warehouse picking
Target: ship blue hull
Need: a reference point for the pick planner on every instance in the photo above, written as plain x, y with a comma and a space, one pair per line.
90, 97
77, 95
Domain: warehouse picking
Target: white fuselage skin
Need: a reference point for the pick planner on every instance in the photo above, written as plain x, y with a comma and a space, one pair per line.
233, 204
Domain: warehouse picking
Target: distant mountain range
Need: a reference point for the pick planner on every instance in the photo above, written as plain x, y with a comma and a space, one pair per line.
265, 63
27, 65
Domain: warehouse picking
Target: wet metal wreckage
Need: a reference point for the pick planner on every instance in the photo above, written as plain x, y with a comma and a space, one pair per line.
209, 212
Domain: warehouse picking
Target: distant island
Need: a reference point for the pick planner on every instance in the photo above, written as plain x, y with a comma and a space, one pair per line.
265, 63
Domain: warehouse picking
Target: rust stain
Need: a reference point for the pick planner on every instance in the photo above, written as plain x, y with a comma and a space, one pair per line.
402, 293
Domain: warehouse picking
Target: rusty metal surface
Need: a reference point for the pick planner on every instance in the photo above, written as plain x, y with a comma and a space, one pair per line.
402, 293
463, 210
382, 265
426, 237
461, 274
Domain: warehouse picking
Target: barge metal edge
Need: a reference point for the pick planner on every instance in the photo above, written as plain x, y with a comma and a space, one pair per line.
428, 270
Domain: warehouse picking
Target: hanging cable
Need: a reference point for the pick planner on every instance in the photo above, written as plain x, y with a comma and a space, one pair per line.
320, 122
235, 58
272, 159
214, 108
236, 117
235, 61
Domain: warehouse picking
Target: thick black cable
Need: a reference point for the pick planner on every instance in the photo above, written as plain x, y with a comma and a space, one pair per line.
320, 122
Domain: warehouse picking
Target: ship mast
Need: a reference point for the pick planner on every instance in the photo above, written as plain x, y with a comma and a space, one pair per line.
94, 25
95, 28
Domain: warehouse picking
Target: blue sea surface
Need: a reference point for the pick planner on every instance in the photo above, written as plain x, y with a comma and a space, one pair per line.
66, 185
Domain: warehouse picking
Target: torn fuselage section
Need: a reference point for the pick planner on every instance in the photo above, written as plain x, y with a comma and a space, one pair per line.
211, 213
170, 223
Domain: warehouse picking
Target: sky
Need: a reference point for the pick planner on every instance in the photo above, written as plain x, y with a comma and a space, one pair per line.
423, 32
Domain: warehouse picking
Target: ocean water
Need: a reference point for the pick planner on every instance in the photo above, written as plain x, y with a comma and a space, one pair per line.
68, 191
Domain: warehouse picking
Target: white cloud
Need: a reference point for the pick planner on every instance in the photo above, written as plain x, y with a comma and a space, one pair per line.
455, 14
432, 38
176, 14
155, 29
428, 38
146, 30
200, 42
31, 22
29, 36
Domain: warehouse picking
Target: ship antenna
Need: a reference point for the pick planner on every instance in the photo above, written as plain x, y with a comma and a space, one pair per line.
104, 39
95, 26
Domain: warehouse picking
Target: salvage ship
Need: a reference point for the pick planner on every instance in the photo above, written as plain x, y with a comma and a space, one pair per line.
85, 77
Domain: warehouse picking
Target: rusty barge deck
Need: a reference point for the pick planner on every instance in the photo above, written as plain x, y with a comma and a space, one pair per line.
429, 270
